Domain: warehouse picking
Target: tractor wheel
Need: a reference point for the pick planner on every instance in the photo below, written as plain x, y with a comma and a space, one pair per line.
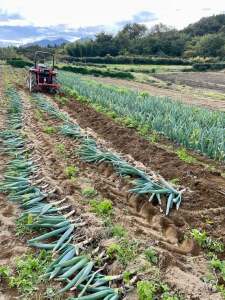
31, 82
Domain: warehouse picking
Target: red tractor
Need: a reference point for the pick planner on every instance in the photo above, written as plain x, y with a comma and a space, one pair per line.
42, 77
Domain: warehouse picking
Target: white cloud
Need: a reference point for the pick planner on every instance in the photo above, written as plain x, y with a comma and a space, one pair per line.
94, 12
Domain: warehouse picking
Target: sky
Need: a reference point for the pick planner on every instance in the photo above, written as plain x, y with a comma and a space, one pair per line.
22, 21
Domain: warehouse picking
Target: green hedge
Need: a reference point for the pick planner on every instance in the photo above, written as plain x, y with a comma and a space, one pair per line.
209, 66
143, 60
97, 72
19, 63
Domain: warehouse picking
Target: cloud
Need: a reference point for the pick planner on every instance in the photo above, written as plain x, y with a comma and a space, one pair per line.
144, 16
141, 17
5, 16
206, 9
30, 32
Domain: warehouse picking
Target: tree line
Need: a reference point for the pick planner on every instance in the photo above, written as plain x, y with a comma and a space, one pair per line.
204, 38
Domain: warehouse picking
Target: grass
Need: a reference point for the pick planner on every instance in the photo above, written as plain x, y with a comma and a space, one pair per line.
118, 231
124, 251
71, 171
102, 207
184, 156
28, 268
21, 225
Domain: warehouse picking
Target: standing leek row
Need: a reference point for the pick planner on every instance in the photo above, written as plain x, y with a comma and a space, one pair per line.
19, 185
144, 184
193, 127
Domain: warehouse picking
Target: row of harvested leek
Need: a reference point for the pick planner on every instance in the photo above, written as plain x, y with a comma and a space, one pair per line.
193, 127
144, 184
21, 184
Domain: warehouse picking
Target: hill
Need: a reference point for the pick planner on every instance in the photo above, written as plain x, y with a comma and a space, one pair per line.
48, 42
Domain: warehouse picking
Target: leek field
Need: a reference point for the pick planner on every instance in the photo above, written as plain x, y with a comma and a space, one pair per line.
194, 128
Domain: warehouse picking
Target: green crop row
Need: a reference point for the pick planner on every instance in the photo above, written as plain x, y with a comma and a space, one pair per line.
193, 127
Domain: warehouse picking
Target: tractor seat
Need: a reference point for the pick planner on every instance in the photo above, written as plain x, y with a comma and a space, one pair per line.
42, 66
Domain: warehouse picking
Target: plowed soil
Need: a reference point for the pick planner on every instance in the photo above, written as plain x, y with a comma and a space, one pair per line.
206, 196
182, 262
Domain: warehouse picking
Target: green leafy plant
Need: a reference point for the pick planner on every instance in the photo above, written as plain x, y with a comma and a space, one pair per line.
154, 137
21, 225
101, 207
71, 171
151, 255
27, 271
60, 149
183, 155
118, 231
207, 242
124, 251
4, 271
89, 192
146, 290
127, 276
49, 130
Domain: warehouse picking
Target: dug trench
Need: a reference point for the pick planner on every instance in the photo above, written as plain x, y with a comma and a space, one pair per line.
143, 221
205, 198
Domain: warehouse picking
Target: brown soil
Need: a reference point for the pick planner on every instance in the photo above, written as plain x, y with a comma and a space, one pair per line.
142, 220
206, 197
183, 96
205, 80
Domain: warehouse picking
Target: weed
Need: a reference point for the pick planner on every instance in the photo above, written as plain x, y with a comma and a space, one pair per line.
151, 255
206, 242
60, 149
130, 122
127, 276
4, 271
154, 137
183, 155
21, 225
49, 130
149, 290
89, 192
38, 115
28, 269
102, 207
61, 100
175, 181
124, 251
71, 171
118, 231
143, 129
146, 290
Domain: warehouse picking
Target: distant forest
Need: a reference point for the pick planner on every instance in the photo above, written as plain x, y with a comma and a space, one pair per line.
205, 38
